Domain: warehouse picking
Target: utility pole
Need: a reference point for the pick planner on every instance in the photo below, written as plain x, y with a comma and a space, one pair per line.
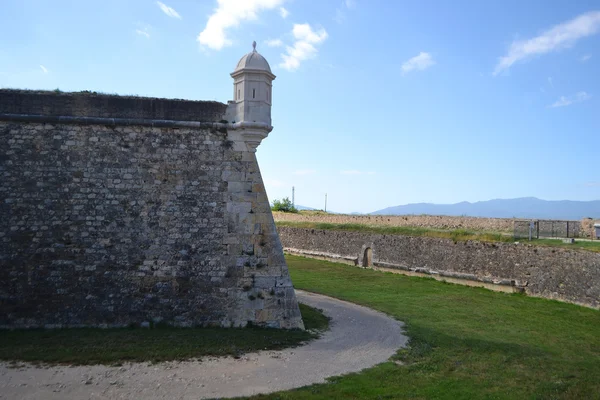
530, 229
293, 197
325, 202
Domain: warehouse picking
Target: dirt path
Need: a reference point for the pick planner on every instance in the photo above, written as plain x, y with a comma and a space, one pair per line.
359, 338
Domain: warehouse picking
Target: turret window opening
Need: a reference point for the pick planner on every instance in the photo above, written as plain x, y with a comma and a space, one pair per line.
253, 93
238, 94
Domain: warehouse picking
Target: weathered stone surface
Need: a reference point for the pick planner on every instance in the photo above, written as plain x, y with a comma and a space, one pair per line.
561, 274
118, 225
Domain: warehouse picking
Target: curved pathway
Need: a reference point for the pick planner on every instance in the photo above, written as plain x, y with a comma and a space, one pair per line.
359, 338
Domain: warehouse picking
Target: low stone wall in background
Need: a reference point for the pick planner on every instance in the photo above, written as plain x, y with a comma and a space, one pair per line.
422, 221
503, 225
566, 275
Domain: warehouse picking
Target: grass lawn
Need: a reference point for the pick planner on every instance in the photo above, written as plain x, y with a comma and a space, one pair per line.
466, 343
115, 346
456, 234
579, 244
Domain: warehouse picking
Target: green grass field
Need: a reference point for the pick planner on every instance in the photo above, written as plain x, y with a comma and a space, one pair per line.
579, 244
115, 346
456, 234
466, 343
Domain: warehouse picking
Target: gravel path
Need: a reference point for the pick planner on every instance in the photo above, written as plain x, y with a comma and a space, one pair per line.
359, 338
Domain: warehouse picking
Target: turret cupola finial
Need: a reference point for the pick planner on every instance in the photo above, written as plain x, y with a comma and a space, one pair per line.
254, 46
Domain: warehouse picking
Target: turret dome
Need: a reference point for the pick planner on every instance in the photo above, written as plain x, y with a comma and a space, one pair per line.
250, 109
253, 61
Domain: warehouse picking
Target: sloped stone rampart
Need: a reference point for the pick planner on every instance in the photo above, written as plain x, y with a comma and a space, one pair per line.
566, 275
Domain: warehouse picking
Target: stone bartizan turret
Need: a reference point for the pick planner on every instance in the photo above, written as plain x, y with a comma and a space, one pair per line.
250, 110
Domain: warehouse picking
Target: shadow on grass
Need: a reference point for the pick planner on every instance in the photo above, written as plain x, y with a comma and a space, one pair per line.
87, 346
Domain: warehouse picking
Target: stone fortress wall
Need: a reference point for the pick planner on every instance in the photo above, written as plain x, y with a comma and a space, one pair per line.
122, 210
554, 273
421, 221
502, 225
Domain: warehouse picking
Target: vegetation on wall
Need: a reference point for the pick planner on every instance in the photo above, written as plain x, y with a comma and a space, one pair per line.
453, 234
88, 346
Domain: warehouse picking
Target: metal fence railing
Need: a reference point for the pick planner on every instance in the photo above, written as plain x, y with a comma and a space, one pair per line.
542, 228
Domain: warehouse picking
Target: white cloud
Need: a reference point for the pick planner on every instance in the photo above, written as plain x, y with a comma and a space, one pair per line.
305, 172
283, 12
556, 38
419, 62
274, 43
229, 14
304, 46
585, 57
356, 172
143, 32
44, 69
168, 10
593, 184
568, 100
339, 16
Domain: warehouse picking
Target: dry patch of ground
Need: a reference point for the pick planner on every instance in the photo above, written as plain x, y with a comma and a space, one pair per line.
420, 221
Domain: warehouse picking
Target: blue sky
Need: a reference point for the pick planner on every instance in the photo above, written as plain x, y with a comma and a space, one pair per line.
376, 103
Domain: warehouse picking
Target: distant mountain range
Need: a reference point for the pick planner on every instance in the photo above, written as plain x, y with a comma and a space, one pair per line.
525, 207
303, 208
